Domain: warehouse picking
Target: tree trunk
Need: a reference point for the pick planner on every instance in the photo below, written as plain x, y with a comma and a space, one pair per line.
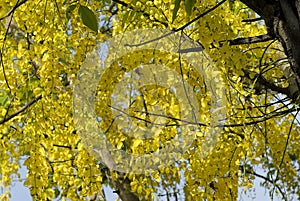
282, 20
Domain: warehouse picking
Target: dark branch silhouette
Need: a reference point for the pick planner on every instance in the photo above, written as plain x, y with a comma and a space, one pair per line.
6, 119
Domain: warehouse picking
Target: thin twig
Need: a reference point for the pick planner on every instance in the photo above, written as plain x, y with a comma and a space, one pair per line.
18, 4
143, 12
252, 20
178, 29
185, 122
20, 110
266, 179
10, 13
285, 147
200, 16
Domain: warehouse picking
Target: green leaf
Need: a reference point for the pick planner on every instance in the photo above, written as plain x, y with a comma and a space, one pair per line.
125, 16
292, 156
66, 2
176, 8
231, 5
3, 97
69, 11
88, 18
189, 6
56, 193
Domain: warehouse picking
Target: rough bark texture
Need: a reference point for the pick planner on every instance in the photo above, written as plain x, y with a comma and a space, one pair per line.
120, 185
282, 21
123, 190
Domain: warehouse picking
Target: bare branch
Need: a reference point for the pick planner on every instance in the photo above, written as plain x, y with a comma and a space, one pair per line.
18, 4
252, 20
286, 145
8, 29
178, 29
185, 122
20, 110
251, 40
200, 16
264, 178
261, 82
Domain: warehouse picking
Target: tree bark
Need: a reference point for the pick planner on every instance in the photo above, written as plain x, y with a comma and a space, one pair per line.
121, 185
282, 20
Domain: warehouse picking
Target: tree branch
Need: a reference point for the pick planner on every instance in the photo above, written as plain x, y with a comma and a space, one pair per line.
282, 19
200, 16
251, 40
261, 82
252, 20
178, 29
144, 13
20, 110
18, 4
266, 9
9, 22
242, 168
291, 32
185, 122
120, 185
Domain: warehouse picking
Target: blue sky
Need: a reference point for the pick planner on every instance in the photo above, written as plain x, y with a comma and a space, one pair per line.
21, 193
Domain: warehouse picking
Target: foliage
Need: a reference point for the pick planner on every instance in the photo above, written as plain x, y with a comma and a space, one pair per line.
43, 45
